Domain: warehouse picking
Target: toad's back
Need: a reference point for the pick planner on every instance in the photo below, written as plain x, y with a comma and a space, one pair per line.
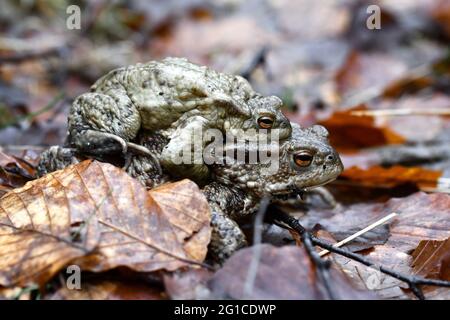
162, 91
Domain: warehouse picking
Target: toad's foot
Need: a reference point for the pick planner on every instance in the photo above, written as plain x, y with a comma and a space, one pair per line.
99, 143
141, 150
144, 170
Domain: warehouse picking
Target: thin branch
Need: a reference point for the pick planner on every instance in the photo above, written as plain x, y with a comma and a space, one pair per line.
359, 233
402, 112
322, 266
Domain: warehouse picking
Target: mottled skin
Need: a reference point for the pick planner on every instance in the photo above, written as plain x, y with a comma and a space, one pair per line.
236, 189
174, 97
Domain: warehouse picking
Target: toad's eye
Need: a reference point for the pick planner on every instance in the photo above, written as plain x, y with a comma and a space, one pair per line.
265, 122
303, 158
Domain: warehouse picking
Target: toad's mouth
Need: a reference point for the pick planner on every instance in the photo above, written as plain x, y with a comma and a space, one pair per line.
307, 189
293, 190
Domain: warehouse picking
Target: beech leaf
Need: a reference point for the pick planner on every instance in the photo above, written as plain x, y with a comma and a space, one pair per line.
94, 215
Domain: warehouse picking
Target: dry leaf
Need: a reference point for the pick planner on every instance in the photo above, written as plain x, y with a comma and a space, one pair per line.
109, 290
94, 215
18, 165
440, 12
416, 128
349, 132
377, 176
188, 285
282, 273
432, 259
14, 172
421, 217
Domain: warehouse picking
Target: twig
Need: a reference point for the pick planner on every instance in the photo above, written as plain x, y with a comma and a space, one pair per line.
258, 59
359, 233
322, 266
256, 251
413, 281
402, 112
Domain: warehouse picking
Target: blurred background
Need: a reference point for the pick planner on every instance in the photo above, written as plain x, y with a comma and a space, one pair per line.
318, 56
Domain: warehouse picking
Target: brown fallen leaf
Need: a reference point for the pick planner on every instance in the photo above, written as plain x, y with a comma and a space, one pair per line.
282, 273
12, 162
9, 181
349, 132
378, 176
409, 84
431, 259
94, 215
109, 290
188, 284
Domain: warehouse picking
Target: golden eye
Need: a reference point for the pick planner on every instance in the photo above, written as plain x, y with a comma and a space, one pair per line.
265, 122
303, 158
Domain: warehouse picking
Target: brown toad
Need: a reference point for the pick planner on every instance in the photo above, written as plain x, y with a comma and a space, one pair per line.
174, 97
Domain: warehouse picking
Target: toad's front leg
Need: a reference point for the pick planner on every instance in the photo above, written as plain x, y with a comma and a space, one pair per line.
227, 204
226, 237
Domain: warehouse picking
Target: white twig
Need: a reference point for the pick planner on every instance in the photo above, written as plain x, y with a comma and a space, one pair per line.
402, 112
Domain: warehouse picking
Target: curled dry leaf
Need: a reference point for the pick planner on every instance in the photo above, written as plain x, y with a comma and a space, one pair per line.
14, 172
94, 215
17, 164
281, 273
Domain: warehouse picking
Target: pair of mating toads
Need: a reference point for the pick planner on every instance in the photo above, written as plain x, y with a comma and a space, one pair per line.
147, 115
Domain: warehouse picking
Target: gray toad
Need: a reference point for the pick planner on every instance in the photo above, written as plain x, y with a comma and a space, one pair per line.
175, 97
305, 161
235, 189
